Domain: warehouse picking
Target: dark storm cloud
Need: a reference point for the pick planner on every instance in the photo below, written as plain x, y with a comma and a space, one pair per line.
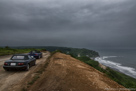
75, 23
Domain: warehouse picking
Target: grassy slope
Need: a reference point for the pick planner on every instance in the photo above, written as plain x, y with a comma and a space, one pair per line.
120, 78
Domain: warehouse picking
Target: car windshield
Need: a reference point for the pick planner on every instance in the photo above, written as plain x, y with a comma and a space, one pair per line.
34, 52
18, 57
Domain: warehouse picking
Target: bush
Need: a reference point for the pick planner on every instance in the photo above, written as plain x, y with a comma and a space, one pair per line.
84, 59
72, 55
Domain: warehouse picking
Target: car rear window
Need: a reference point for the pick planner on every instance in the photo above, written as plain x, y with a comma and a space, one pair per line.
18, 57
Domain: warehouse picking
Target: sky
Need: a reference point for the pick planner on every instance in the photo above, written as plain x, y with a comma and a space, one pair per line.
69, 23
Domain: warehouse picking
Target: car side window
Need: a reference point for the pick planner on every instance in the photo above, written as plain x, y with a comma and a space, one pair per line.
26, 57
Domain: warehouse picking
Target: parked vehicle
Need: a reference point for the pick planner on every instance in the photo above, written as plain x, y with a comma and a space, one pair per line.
36, 54
19, 61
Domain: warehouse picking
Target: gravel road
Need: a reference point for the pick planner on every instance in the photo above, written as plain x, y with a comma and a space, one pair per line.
10, 78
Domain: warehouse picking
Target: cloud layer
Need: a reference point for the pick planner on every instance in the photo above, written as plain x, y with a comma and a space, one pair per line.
74, 23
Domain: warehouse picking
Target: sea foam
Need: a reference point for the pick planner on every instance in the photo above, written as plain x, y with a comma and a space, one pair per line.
117, 66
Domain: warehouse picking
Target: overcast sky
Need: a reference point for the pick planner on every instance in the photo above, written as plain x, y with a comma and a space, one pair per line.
70, 23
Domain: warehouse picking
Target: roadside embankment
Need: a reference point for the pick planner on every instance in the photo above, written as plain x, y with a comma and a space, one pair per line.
64, 73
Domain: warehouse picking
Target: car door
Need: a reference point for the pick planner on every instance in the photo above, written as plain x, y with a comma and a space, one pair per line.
30, 60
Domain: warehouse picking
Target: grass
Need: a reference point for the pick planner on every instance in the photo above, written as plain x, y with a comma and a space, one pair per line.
52, 53
9, 51
39, 72
120, 78
42, 69
24, 89
33, 80
37, 76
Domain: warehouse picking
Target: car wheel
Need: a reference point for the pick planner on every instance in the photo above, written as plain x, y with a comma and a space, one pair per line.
38, 57
6, 69
28, 67
34, 63
41, 56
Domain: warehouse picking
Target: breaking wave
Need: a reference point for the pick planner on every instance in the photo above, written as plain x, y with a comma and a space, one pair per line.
117, 66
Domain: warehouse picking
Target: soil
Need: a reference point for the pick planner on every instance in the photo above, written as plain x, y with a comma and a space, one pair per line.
65, 73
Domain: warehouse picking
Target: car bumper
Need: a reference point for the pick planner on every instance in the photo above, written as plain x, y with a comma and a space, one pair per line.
14, 67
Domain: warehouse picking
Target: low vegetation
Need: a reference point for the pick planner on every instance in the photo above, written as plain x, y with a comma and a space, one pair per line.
66, 50
55, 52
75, 51
33, 80
37, 73
120, 78
8, 51
42, 69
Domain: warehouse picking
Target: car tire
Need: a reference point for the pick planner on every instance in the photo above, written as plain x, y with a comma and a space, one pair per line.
34, 63
39, 57
28, 67
6, 69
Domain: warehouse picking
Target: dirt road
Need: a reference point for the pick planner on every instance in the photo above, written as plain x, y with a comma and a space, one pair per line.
10, 78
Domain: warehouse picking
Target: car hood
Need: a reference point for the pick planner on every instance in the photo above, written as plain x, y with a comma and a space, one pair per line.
16, 61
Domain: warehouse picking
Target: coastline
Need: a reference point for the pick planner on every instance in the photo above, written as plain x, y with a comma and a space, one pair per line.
129, 71
119, 77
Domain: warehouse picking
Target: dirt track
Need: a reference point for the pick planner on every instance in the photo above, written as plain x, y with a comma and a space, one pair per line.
11, 78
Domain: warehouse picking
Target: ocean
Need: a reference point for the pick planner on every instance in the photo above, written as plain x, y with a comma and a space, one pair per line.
122, 60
